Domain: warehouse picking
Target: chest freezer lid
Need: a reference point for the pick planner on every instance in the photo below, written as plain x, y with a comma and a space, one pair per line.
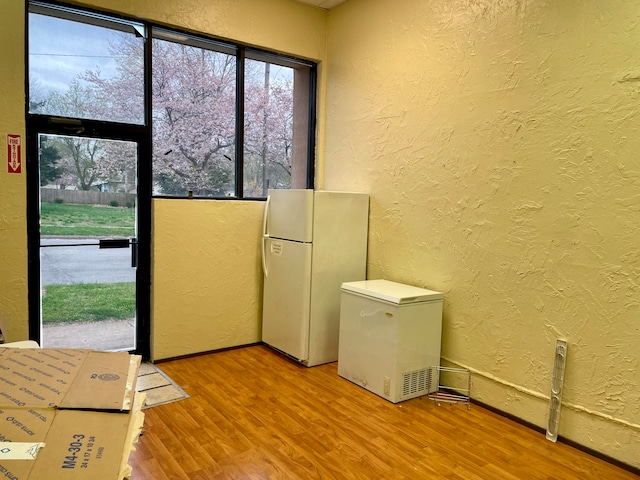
391, 291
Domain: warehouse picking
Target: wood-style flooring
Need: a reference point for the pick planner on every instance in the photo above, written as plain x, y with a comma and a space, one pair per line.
254, 414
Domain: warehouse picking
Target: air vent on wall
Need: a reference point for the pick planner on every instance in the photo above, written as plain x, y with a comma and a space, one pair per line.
557, 382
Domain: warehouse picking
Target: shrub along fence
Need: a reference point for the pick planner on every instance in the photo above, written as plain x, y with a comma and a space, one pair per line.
87, 197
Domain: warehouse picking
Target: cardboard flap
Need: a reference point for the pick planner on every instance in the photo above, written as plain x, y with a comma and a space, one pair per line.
37, 377
103, 383
22, 426
82, 445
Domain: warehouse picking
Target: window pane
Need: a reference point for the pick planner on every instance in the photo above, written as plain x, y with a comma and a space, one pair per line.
274, 116
194, 96
85, 71
88, 164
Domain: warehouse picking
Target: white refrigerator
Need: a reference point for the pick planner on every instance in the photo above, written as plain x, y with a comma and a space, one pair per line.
313, 241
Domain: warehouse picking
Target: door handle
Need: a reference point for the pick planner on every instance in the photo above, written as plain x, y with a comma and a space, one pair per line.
114, 243
134, 253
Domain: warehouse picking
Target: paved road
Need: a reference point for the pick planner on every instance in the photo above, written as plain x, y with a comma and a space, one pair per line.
84, 264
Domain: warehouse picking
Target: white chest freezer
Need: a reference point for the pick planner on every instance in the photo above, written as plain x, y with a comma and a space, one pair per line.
390, 336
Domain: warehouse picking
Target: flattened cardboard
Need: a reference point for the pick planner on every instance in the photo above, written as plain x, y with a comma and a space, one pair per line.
22, 425
78, 444
102, 383
80, 403
67, 378
38, 378
133, 433
80, 441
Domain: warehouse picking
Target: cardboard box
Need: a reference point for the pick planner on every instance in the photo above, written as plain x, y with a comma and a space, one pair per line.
67, 413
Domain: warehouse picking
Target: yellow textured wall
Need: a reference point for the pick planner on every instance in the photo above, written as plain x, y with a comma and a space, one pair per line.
280, 25
13, 200
499, 141
207, 275
206, 279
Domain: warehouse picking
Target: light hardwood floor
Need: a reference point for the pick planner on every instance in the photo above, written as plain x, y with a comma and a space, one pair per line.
254, 414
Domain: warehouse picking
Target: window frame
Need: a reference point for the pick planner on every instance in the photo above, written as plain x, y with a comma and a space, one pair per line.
150, 30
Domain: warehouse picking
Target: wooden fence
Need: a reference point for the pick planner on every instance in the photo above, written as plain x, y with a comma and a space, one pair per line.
90, 197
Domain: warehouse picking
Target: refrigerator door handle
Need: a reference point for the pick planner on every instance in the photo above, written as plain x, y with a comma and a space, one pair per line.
264, 253
265, 236
264, 216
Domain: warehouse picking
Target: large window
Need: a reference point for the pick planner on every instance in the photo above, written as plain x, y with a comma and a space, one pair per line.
276, 132
226, 121
194, 116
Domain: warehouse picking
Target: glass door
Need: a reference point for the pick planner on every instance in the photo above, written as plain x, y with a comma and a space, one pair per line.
88, 179
88, 247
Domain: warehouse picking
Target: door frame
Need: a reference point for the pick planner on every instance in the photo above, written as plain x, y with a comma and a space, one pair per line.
45, 124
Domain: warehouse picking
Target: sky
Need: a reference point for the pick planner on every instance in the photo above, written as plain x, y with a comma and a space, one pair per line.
60, 50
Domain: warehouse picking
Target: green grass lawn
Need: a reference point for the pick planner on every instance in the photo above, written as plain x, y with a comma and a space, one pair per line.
65, 219
95, 301
88, 302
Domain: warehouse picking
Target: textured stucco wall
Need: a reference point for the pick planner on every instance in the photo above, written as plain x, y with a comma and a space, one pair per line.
279, 25
13, 202
207, 276
499, 142
215, 302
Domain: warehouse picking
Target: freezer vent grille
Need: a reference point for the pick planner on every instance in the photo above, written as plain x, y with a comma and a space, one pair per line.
416, 383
